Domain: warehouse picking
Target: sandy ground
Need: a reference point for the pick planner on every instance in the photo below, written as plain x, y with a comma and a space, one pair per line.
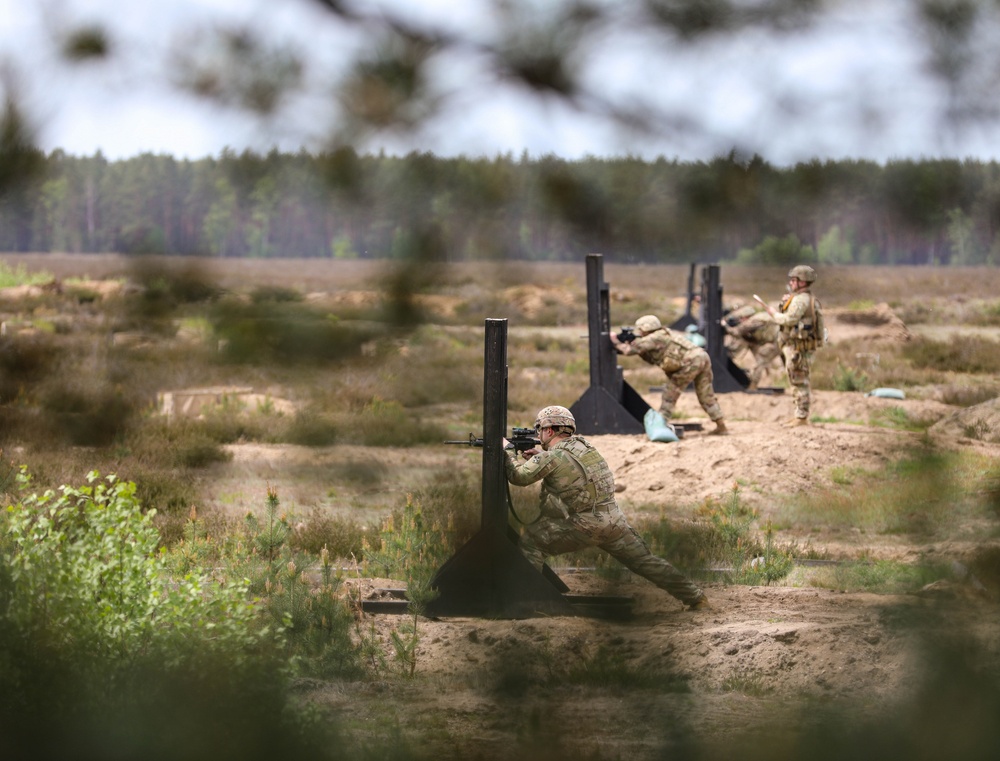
761, 662
759, 654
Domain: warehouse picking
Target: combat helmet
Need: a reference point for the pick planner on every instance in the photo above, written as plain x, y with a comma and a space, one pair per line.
555, 417
803, 272
648, 323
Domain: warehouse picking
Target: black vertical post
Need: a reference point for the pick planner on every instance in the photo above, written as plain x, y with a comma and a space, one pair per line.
489, 576
610, 405
494, 426
682, 322
603, 367
727, 375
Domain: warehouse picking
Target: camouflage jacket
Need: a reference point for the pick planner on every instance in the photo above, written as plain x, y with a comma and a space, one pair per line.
664, 348
575, 477
796, 317
758, 329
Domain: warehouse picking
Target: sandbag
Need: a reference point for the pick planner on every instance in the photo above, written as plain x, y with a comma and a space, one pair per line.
887, 393
657, 428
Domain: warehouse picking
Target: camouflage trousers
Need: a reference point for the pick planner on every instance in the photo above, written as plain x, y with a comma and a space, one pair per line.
612, 533
764, 356
797, 365
696, 367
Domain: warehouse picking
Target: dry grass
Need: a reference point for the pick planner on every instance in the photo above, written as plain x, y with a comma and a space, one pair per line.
355, 378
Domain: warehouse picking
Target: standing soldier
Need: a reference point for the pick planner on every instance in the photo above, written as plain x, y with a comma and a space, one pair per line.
578, 506
758, 332
681, 361
800, 321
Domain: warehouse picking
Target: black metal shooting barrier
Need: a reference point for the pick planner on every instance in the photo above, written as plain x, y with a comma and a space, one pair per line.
688, 318
610, 405
489, 576
727, 375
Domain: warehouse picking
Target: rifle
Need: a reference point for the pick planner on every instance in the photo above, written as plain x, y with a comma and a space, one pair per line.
520, 440
627, 334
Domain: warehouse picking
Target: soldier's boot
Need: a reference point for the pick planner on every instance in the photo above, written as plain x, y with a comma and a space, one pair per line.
720, 428
701, 603
796, 421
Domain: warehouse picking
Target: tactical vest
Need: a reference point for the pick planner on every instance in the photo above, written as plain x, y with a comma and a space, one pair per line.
669, 350
594, 483
809, 333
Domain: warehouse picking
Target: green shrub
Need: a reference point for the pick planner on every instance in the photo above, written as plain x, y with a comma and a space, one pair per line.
311, 615
385, 423
19, 275
199, 451
24, 362
89, 416
283, 332
849, 379
108, 654
87, 577
310, 429
271, 293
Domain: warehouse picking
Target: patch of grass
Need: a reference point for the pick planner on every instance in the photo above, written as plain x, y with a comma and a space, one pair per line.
843, 476
19, 275
722, 537
889, 577
849, 379
311, 429
609, 667
262, 294
231, 425
199, 451
988, 313
385, 423
25, 361
284, 332
752, 684
861, 305
919, 494
967, 394
316, 531
896, 417
88, 415
962, 354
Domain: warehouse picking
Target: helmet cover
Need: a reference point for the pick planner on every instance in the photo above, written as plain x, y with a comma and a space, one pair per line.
555, 417
648, 323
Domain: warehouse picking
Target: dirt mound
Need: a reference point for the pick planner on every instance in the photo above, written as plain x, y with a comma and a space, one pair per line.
529, 300
878, 322
981, 422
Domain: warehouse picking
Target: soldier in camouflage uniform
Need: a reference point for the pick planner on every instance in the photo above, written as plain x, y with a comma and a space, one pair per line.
757, 332
796, 318
578, 507
681, 361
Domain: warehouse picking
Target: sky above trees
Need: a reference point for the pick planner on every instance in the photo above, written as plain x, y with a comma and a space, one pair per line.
686, 79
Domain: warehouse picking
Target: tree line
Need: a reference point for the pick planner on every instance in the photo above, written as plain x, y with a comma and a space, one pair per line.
342, 204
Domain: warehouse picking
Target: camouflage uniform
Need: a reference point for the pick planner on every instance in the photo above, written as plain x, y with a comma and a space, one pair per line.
759, 334
578, 509
797, 356
682, 362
